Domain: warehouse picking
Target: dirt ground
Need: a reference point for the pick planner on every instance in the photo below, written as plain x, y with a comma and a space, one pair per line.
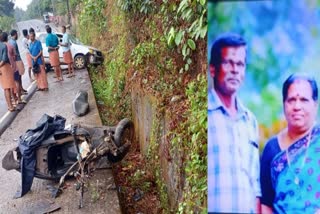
136, 185
100, 195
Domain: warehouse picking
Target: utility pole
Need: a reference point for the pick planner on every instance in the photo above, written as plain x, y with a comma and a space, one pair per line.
69, 14
53, 8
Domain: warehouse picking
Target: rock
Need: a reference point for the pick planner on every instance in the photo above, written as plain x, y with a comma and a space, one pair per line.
137, 195
80, 104
175, 98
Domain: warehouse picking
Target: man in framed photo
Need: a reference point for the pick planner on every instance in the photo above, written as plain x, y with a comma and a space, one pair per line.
233, 150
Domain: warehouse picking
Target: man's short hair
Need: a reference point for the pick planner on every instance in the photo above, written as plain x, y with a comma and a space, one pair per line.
13, 32
49, 30
299, 76
31, 30
4, 37
32, 33
225, 40
25, 32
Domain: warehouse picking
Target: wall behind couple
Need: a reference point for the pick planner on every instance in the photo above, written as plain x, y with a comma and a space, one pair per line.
283, 37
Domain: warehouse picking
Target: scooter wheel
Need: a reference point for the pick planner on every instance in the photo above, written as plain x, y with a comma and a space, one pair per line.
124, 132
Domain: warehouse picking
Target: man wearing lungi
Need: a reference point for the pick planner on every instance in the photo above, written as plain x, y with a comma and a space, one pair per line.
67, 56
52, 43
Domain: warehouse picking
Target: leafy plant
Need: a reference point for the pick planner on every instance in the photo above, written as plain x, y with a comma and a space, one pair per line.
142, 52
193, 13
191, 138
6, 23
92, 14
138, 6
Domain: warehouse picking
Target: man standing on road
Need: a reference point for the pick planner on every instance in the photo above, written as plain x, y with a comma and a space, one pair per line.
20, 66
52, 43
67, 56
6, 73
36, 54
233, 151
25, 44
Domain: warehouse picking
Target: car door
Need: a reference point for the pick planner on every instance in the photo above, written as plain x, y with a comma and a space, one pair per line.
42, 39
60, 49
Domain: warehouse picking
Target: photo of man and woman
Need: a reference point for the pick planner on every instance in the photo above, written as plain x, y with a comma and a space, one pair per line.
263, 129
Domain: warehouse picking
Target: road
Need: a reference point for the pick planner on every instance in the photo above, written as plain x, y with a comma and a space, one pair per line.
25, 78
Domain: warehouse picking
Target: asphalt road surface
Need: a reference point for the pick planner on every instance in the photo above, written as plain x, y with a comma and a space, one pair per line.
25, 78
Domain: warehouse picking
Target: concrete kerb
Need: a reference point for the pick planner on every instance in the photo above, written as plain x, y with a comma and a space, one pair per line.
8, 117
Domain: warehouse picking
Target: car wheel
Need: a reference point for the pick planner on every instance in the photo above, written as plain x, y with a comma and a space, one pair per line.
79, 62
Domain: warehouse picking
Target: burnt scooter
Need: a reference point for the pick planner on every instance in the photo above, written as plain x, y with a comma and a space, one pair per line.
72, 152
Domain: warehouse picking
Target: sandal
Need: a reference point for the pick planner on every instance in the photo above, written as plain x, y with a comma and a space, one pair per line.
22, 102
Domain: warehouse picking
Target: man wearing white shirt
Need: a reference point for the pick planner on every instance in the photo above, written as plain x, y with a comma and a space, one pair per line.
67, 56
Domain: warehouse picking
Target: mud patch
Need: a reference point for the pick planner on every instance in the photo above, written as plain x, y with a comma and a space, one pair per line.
136, 186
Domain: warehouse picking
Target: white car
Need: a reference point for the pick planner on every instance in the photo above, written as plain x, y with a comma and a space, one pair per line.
82, 54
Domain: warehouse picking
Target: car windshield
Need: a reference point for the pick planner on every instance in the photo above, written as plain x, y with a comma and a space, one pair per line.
75, 40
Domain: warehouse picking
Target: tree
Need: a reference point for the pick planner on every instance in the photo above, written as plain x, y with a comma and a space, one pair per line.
6, 23
6, 8
19, 14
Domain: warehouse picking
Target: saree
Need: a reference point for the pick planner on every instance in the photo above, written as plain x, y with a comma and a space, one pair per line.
295, 175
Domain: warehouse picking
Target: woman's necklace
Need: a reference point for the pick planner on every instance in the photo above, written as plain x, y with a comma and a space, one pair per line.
296, 178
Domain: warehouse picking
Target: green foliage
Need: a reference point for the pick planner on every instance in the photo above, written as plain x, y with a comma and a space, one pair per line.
36, 8
109, 89
191, 138
109, 84
138, 6
6, 8
92, 14
153, 163
19, 14
193, 13
155, 67
6, 15
142, 52
6, 23
59, 7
